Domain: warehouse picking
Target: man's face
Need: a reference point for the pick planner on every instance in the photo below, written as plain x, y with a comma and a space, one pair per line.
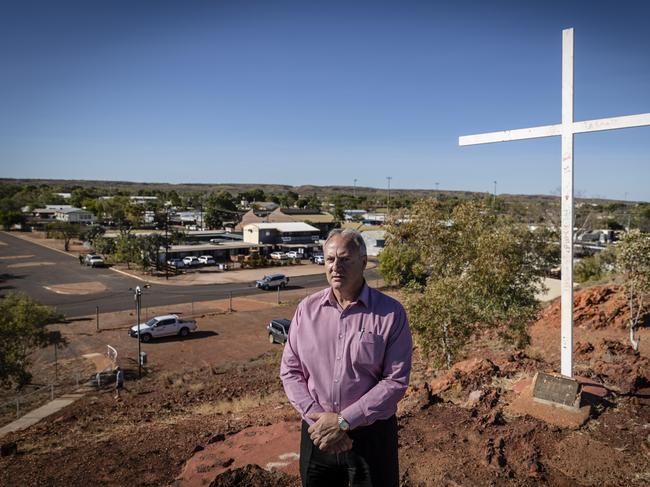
343, 265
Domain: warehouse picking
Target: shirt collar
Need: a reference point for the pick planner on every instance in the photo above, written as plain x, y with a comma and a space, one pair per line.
364, 297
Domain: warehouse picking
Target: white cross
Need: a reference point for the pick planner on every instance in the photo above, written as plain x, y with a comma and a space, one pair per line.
566, 129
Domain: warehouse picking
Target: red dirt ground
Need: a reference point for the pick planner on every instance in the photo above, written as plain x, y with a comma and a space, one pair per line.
455, 430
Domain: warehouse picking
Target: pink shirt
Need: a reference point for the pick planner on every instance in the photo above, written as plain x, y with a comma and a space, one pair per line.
355, 362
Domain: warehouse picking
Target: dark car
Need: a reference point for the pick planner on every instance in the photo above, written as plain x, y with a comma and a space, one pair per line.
278, 330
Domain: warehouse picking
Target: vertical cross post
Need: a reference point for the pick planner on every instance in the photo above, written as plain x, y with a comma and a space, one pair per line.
566, 353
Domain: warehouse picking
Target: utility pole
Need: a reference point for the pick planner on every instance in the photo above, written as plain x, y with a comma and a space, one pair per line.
494, 197
388, 178
627, 213
166, 242
354, 191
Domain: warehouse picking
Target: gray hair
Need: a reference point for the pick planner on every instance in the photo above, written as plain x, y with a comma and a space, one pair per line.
352, 236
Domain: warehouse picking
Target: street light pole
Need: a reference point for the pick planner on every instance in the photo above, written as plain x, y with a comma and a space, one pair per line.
138, 303
388, 203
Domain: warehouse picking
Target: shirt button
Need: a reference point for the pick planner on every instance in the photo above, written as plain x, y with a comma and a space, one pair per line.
338, 358
336, 403
336, 380
340, 336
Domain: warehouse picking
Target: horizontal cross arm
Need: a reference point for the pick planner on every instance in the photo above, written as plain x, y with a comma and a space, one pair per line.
507, 135
612, 123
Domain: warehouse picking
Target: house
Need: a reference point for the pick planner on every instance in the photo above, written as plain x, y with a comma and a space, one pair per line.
374, 219
252, 216
375, 241
75, 215
324, 222
264, 205
354, 215
141, 200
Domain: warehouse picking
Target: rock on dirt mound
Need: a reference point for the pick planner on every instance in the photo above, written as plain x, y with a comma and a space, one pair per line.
466, 375
595, 307
253, 476
619, 367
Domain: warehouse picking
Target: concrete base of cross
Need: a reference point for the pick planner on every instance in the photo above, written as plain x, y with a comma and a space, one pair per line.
525, 404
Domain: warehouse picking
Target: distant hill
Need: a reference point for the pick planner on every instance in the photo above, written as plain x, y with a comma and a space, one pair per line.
321, 191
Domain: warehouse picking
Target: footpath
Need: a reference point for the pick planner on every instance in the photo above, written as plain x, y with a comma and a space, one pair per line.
36, 415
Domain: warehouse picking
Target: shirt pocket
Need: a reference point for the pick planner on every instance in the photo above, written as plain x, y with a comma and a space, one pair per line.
369, 350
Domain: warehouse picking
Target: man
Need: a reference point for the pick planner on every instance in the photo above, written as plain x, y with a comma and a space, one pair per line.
345, 366
119, 382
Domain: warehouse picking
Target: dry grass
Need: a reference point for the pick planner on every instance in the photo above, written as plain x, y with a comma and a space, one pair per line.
240, 404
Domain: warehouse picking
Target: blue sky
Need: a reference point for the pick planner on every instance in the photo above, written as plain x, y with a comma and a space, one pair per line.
321, 92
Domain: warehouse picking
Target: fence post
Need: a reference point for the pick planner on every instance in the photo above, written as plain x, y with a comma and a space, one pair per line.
97, 317
230, 303
278, 294
56, 363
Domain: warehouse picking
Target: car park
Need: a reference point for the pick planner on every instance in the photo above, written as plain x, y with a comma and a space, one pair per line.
164, 325
272, 281
191, 261
207, 260
278, 330
278, 256
176, 263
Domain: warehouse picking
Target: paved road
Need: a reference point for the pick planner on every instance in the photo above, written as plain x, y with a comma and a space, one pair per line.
65, 269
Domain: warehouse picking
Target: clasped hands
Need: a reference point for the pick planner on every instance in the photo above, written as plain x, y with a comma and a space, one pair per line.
326, 434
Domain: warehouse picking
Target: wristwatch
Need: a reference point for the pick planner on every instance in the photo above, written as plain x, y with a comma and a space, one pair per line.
343, 424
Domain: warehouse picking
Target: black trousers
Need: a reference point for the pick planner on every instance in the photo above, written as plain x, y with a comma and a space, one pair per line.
372, 461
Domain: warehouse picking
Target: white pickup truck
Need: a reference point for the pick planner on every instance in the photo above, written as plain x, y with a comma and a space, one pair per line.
161, 326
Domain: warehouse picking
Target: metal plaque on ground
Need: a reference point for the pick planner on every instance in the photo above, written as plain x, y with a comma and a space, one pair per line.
556, 390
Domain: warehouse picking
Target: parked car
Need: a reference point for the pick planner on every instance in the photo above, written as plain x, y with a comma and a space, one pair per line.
87, 258
165, 325
278, 330
272, 281
191, 261
318, 259
207, 260
96, 261
278, 256
292, 254
176, 263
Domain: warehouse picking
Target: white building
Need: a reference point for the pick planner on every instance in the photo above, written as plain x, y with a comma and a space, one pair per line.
281, 233
375, 241
74, 215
